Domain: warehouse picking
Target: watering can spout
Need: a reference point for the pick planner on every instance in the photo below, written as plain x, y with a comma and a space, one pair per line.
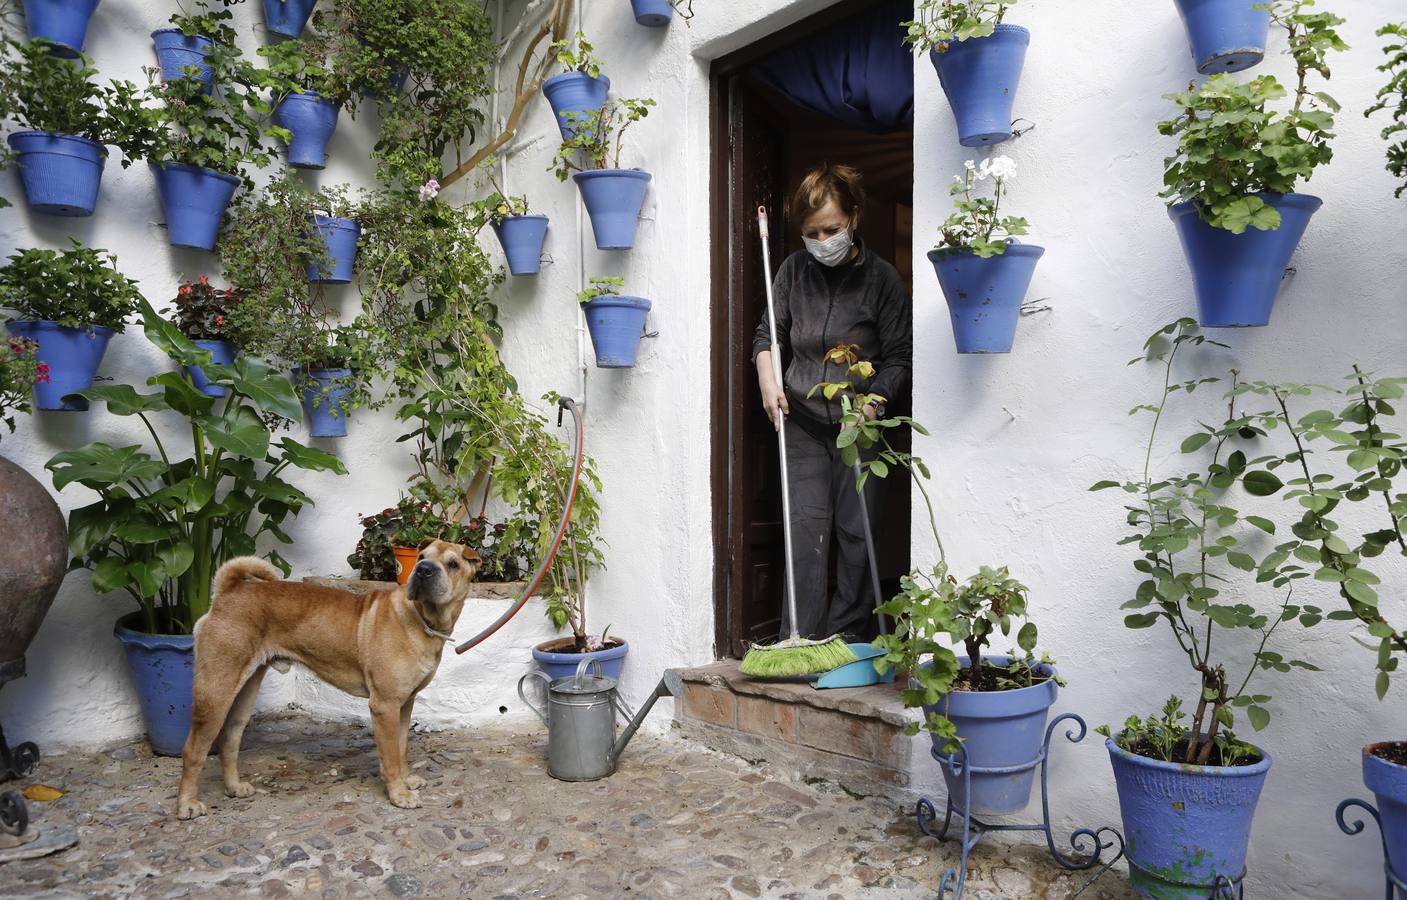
671, 684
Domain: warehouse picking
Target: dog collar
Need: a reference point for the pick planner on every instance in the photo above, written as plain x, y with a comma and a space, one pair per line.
426, 625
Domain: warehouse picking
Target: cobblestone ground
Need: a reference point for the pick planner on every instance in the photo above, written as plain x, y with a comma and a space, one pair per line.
677, 820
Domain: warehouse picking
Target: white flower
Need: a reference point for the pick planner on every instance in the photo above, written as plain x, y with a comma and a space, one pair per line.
1001, 167
429, 190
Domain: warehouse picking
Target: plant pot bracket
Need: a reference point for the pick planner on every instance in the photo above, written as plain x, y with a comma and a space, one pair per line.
1031, 307
1088, 845
1017, 130
1392, 879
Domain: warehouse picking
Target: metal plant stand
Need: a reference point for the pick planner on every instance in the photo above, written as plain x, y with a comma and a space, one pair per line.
1392, 879
1088, 845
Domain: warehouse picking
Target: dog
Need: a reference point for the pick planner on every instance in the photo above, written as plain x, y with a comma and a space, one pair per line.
384, 646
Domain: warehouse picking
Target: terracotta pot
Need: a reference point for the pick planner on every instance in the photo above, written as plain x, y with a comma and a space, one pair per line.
33, 560
405, 558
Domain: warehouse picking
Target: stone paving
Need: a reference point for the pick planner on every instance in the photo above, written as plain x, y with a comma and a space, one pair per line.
677, 820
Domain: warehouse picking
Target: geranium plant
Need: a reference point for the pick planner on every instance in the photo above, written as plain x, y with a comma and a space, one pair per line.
19, 372
1231, 145
201, 311
497, 205
49, 93
941, 22
580, 59
601, 287
1393, 97
302, 64
76, 288
977, 224
598, 136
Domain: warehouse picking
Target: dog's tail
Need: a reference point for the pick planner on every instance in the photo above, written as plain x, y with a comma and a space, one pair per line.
243, 568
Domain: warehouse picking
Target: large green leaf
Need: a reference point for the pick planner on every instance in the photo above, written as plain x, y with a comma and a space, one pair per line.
109, 575
138, 532
239, 431
183, 396
123, 399
176, 558
310, 458
89, 526
149, 575
169, 340
268, 389
100, 466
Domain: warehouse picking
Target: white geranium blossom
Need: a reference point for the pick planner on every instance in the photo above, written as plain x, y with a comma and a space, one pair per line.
1000, 167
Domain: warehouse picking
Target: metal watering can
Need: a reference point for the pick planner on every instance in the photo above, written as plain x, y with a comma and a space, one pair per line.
581, 720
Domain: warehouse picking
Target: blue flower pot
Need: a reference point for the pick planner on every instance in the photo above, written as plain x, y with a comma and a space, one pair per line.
1237, 276
522, 237
985, 295
999, 730
616, 325
163, 672
60, 173
323, 400
222, 353
1388, 782
1185, 825
175, 50
339, 236
652, 13
560, 665
73, 356
194, 199
65, 22
287, 17
574, 92
1226, 35
613, 198
980, 76
311, 118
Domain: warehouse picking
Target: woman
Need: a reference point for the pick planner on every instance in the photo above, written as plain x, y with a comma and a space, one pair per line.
835, 291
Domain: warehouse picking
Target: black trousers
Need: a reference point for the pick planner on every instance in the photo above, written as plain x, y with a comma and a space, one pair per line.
824, 499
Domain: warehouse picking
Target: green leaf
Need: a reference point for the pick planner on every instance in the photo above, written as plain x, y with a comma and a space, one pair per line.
1101, 485
141, 533
1381, 685
1242, 561
1259, 717
1026, 637
183, 396
1261, 483
109, 574
1141, 620
1195, 442
268, 389
241, 432
176, 558
1262, 523
310, 458
123, 399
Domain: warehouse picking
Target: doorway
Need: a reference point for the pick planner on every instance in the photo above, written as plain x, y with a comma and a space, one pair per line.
763, 143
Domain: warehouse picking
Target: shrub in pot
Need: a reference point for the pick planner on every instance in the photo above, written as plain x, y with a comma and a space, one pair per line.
1231, 182
62, 22
70, 303
613, 196
978, 59
332, 379
201, 312
983, 270
162, 524
375, 557
520, 234
616, 323
578, 91
306, 109
1225, 35
181, 49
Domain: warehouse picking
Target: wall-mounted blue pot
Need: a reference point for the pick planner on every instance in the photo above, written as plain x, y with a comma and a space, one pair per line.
616, 325
574, 92
163, 672
311, 118
324, 393
1185, 825
339, 238
1388, 782
65, 22
175, 50
287, 17
60, 173
522, 238
980, 76
1225, 35
613, 199
561, 665
985, 295
1000, 730
222, 353
72, 355
1237, 276
194, 199
652, 13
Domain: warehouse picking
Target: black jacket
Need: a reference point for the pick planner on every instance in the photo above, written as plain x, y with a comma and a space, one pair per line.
860, 302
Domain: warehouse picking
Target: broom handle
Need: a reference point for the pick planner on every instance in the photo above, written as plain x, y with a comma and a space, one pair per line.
782, 429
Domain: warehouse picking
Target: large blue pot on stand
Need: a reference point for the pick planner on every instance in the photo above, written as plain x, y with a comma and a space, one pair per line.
64, 22
60, 173
163, 672
980, 76
1237, 276
311, 119
1388, 782
985, 295
1225, 35
522, 238
222, 353
339, 237
287, 17
72, 355
560, 665
194, 199
1187, 826
616, 325
324, 392
574, 92
175, 50
613, 199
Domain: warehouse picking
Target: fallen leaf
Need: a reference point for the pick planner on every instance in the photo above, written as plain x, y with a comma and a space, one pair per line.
42, 793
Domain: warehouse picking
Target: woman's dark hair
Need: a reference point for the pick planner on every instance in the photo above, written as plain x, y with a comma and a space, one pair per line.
823, 184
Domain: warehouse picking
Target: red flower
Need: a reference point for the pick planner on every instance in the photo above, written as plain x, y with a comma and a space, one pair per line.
204, 279
41, 373
219, 320
184, 290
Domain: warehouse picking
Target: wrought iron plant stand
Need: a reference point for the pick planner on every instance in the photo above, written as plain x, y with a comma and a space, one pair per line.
1392, 879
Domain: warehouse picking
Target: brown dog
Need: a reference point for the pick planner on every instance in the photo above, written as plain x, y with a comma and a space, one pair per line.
384, 646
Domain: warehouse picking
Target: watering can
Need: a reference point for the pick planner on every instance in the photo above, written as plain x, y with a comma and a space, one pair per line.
581, 719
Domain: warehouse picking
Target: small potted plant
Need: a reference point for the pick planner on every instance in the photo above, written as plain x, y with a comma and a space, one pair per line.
983, 270
1231, 182
332, 380
71, 303
580, 89
20, 371
1393, 96
613, 196
520, 233
182, 48
64, 23
979, 60
336, 223
201, 313
615, 323
307, 107
287, 17
1225, 35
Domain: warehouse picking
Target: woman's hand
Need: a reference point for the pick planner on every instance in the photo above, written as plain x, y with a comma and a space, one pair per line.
774, 398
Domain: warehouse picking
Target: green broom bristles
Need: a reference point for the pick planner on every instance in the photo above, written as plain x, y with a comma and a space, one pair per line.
795, 657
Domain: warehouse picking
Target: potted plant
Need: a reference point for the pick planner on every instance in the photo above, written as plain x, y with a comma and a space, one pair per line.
1393, 96
376, 558
201, 313
615, 323
20, 371
579, 90
332, 379
335, 219
1188, 793
983, 270
287, 17
613, 196
979, 60
64, 23
163, 523
71, 303
306, 109
181, 49
1230, 183
1225, 35
520, 233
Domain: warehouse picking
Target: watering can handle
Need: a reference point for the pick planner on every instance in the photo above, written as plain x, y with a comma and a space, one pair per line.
524, 696
582, 666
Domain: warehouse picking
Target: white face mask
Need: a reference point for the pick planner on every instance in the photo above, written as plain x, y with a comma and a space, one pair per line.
833, 251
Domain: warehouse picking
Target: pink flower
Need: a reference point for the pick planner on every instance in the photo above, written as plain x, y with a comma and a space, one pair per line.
219, 320
184, 290
429, 190
204, 279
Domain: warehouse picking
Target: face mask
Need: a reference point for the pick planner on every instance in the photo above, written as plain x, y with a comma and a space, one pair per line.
833, 250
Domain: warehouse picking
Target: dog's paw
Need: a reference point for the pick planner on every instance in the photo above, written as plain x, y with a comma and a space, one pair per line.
414, 782
193, 809
241, 789
405, 799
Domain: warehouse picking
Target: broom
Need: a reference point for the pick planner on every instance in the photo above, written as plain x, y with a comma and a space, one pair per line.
795, 656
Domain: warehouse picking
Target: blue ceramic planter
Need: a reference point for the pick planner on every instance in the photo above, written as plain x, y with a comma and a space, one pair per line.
1226, 35
616, 325
222, 353
1000, 730
323, 400
1388, 782
65, 22
980, 76
1237, 276
574, 92
1185, 825
163, 672
287, 17
340, 238
311, 118
73, 356
560, 665
985, 295
175, 51
522, 238
613, 198
194, 199
60, 173
652, 13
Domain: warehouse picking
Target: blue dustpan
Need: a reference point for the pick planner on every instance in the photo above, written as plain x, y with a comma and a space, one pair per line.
860, 673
